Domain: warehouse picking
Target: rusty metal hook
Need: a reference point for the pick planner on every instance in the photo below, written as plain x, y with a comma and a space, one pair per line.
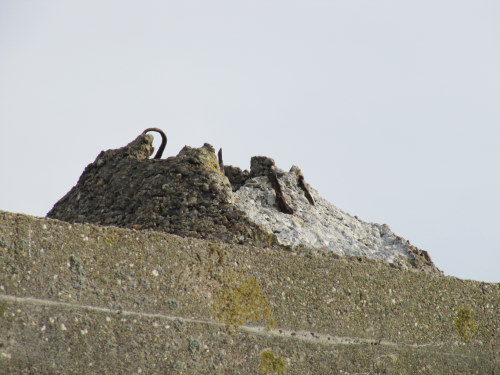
163, 141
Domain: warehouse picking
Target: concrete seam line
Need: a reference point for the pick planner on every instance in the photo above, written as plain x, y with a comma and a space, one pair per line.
256, 330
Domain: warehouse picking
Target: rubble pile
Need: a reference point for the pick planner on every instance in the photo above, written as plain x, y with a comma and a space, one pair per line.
194, 195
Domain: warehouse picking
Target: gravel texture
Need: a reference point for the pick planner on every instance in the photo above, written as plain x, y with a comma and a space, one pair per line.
87, 299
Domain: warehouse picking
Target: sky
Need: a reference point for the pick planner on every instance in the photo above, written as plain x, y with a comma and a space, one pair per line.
391, 108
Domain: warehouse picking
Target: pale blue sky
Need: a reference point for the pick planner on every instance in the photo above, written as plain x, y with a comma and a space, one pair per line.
390, 108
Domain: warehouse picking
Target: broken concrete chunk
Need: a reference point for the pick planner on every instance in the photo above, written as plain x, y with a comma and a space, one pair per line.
236, 176
261, 166
189, 195
186, 195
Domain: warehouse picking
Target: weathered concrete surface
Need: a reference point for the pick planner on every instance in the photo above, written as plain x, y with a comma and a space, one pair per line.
87, 299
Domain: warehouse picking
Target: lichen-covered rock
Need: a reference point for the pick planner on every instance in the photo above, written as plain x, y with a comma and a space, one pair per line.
189, 195
261, 166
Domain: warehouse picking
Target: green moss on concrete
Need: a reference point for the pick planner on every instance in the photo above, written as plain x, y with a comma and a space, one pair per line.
111, 239
271, 364
240, 300
464, 324
216, 250
3, 308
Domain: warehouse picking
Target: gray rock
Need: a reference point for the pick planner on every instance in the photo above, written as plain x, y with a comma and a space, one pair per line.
261, 166
236, 176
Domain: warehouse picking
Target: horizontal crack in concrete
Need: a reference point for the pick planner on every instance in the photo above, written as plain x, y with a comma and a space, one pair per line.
308, 336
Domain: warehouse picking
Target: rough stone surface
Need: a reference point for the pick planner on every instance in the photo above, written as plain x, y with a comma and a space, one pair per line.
188, 195
236, 176
86, 299
261, 166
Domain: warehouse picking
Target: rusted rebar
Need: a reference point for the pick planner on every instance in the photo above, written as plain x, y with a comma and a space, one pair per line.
303, 186
163, 144
221, 163
280, 198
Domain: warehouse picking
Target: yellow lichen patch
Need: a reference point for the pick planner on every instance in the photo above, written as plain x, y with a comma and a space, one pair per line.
271, 364
111, 239
464, 324
210, 160
221, 254
239, 301
3, 309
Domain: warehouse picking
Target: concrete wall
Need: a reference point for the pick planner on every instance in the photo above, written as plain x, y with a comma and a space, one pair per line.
85, 299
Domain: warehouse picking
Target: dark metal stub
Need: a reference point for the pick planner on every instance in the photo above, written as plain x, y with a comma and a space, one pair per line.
304, 187
221, 163
280, 198
163, 144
